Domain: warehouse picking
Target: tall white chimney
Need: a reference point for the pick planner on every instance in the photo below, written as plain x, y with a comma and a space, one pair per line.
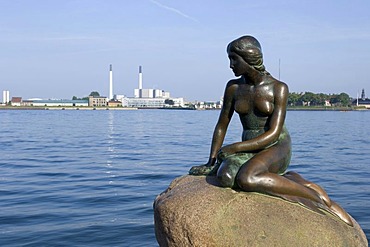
110, 82
140, 78
5, 97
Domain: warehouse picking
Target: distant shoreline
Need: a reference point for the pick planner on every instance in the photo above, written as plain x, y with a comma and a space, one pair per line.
305, 108
314, 108
67, 108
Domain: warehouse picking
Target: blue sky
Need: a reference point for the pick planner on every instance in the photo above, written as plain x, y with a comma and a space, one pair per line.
63, 48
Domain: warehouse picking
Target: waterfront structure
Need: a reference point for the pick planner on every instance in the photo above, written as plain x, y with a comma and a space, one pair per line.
119, 97
153, 102
16, 101
150, 97
363, 101
6, 97
98, 101
208, 105
141, 92
114, 103
152, 93
143, 98
56, 103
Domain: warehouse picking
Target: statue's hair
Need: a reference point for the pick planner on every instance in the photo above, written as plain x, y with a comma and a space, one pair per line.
250, 50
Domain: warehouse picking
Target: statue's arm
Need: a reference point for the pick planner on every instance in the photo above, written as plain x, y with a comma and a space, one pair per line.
218, 133
223, 122
276, 123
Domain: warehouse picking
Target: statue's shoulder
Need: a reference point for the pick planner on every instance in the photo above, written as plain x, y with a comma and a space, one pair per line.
234, 82
232, 86
280, 86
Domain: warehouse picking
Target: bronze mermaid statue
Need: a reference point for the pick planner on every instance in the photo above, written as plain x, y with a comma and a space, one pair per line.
258, 163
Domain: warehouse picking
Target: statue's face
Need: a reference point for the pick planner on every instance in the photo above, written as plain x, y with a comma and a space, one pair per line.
238, 65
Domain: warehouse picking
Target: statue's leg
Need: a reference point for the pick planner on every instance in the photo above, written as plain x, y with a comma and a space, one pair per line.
299, 179
260, 174
229, 167
334, 207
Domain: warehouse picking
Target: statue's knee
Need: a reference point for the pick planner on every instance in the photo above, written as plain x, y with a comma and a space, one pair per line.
226, 179
247, 183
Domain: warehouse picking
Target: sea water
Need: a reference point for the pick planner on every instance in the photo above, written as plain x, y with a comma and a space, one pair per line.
89, 178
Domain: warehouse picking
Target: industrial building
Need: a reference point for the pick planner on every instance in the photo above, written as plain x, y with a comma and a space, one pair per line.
153, 102
146, 97
143, 98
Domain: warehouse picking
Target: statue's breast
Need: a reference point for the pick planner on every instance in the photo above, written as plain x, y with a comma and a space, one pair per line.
264, 107
243, 106
259, 101
264, 100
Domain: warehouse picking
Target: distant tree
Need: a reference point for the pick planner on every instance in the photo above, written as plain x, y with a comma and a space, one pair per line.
318, 99
293, 99
345, 99
169, 102
334, 99
307, 97
342, 99
94, 94
74, 98
321, 98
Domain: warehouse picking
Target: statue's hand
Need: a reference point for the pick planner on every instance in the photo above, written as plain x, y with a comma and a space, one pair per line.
225, 151
208, 169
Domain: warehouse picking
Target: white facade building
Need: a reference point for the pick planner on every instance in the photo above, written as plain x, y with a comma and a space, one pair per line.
119, 97
147, 93
148, 97
151, 93
58, 103
137, 93
152, 102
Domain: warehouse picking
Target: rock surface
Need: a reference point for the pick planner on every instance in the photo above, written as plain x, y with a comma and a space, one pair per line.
194, 211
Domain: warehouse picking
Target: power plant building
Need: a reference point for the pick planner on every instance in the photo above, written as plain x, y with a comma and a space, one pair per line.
152, 102
149, 97
151, 93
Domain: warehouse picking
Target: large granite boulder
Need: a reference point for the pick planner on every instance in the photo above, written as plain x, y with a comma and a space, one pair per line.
194, 211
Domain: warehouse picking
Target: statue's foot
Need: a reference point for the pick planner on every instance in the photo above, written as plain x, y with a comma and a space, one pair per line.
341, 213
201, 170
321, 192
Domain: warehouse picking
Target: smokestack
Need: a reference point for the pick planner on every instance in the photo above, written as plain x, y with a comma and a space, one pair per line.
5, 97
110, 82
140, 78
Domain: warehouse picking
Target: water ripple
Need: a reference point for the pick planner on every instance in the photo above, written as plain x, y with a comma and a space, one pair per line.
69, 183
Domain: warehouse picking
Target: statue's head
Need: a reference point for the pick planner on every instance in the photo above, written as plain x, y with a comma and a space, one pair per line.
250, 50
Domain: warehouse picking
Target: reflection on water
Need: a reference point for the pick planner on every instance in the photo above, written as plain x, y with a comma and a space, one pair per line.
111, 149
